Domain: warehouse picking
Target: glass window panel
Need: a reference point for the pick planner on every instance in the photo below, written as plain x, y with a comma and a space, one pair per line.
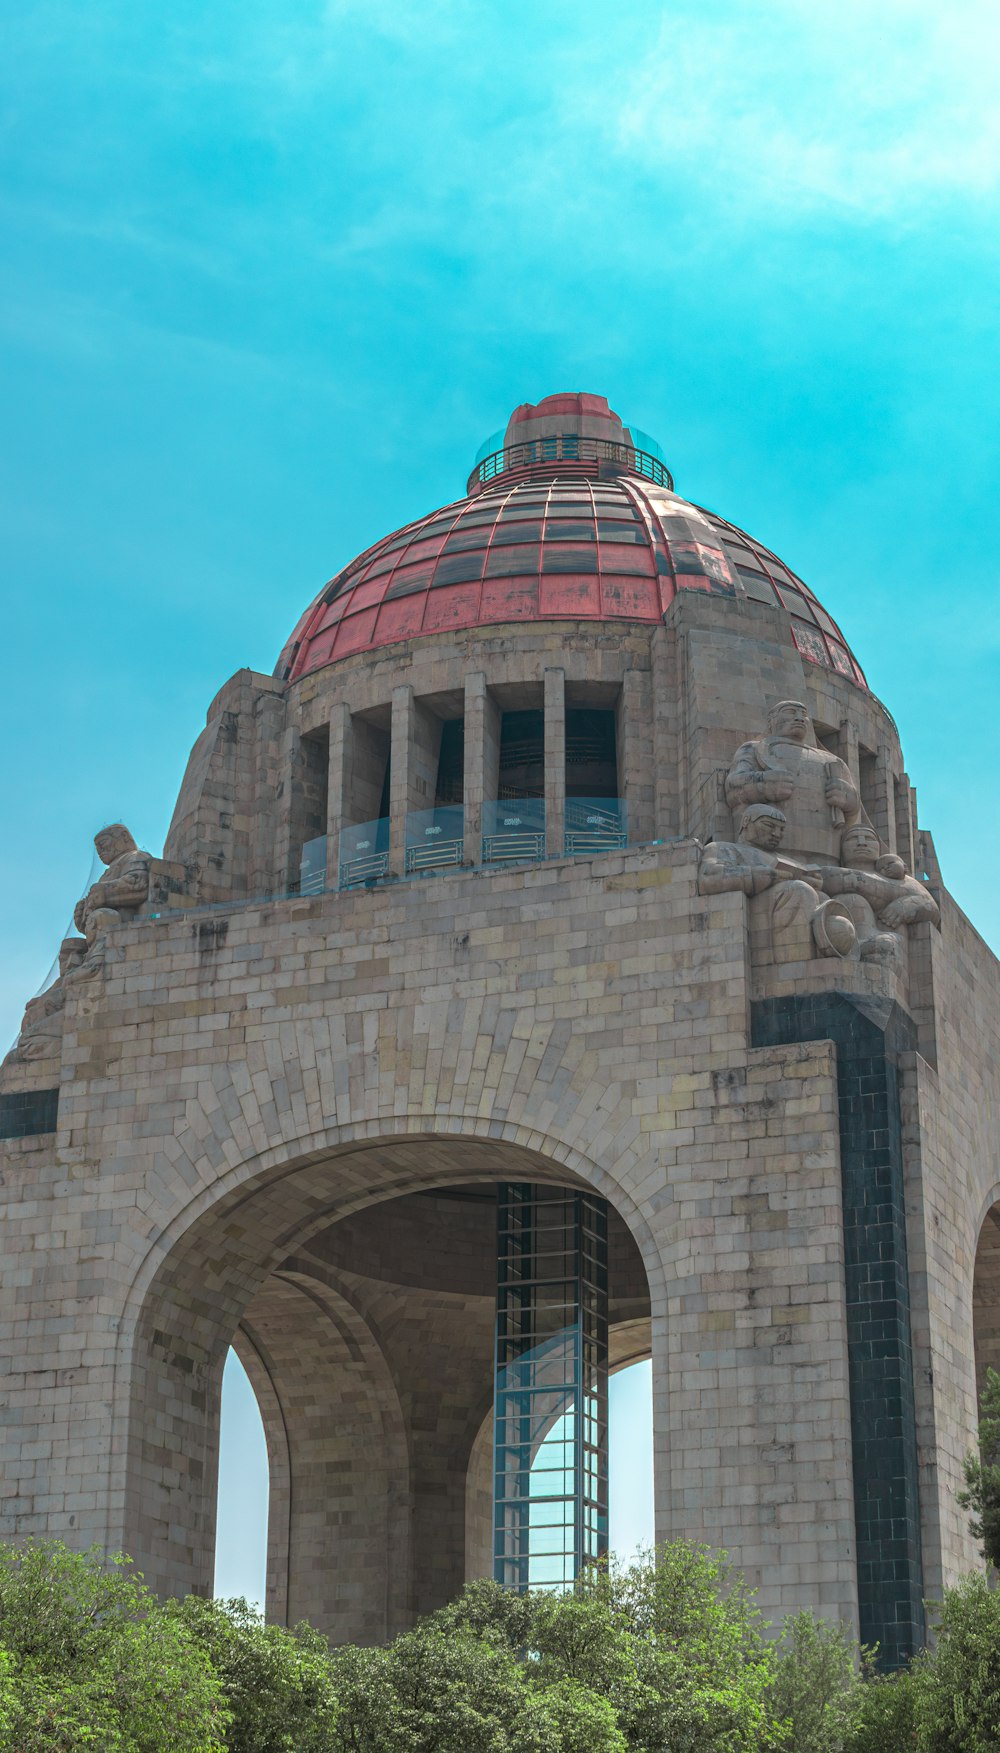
513, 561
464, 538
570, 532
559, 559
458, 569
507, 534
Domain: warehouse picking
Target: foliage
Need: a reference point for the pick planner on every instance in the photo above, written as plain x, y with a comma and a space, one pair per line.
982, 1474
663, 1656
885, 1714
278, 1684
93, 1661
958, 1699
431, 1692
816, 1684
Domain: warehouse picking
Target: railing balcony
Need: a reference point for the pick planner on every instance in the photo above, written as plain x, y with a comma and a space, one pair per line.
364, 853
435, 839
514, 831
595, 824
312, 867
571, 447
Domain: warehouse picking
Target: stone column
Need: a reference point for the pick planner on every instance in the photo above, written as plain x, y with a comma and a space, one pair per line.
290, 741
482, 760
555, 762
887, 798
636, 771
906, 814
338, 798
416, 744
668, 783
399, 782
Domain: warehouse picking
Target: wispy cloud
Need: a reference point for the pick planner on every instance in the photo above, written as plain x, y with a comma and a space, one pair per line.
843, 105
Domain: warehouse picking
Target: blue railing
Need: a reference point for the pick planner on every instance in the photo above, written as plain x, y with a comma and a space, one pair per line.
571, 447
514, 831
364, 853
312, 867
435, 839
595, 824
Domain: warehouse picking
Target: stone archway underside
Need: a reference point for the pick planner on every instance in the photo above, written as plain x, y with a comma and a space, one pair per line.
372, 1364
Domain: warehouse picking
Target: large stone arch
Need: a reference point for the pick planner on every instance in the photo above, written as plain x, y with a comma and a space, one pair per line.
986, 1288
217, 1268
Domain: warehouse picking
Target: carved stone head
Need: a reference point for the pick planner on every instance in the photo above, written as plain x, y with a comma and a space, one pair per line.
763, 825
789, 718
113, 841
859, 847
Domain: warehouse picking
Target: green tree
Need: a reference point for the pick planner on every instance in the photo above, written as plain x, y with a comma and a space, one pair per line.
579, 1720
278, 1684
93, 1661
982, 1474
958, 1697
885, 1715
437, 1692
816, 1684
688, 1670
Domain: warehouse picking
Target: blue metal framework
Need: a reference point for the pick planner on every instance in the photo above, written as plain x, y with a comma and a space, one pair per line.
551, 1401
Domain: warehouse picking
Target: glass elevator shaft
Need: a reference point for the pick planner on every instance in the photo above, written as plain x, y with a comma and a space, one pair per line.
550, 1475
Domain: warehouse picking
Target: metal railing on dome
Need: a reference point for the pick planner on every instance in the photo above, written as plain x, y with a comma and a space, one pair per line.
595, 824
435, 839
572, 447
514, 831
364, 853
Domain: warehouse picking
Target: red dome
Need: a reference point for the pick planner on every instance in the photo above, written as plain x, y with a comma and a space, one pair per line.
563, 528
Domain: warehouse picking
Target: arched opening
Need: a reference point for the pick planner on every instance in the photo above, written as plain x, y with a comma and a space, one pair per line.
244, 1483
358, 1289
986, 1297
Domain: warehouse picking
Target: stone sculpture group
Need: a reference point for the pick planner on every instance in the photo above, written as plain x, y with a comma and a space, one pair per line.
118, 893
833, 892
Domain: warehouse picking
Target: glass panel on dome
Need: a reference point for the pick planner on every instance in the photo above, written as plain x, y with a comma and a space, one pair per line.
810, 643
459, 569
434, 839
409, 579
794, 603
513, 562
621, 559
514, 830
569, 532
840, 659
383, 563
633, 533
364, 852
506, 533
556, 558
756, 586
465, 537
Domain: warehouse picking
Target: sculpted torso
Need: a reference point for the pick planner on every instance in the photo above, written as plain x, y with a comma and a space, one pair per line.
813, 788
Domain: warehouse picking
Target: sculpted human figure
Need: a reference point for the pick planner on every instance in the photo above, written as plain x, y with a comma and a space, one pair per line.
122, 887
42, 1025
801, 923
877, 892
787, 767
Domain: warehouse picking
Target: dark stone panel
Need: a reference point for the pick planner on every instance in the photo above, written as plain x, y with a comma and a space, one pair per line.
869, 1037
28, 1113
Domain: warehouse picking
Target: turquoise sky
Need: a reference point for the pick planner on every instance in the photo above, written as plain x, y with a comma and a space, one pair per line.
274, 269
